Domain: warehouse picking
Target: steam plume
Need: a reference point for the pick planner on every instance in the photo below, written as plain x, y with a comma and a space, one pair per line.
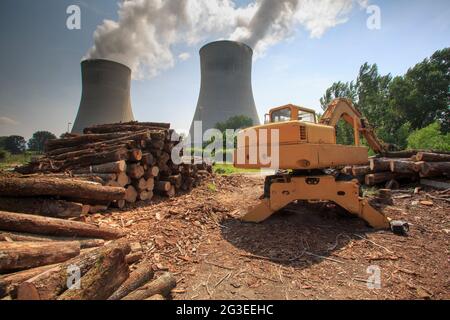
148, 32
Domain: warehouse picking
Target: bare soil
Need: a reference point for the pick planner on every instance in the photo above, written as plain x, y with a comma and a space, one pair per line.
306, 252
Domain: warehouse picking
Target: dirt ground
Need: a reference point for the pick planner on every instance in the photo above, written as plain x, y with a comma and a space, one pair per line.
306, 252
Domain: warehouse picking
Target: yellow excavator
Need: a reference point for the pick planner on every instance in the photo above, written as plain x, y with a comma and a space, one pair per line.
309, 160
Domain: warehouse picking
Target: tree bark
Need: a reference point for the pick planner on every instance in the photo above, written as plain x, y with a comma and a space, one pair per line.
131, 195
95, 159
380, 164
112, 167
44, 207
85, 243
10, 282
83, 139
377, 178
52, 283
163, 285
135, 171
163, 186
32, 187
435, 169
432, 157
15, 256
143, 274
360, 170
403, 166
55, 227
103, 279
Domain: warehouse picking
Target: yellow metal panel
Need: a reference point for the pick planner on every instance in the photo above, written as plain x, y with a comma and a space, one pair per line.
307, 156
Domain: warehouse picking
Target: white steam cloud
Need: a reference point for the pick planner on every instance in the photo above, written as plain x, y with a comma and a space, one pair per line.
147, 31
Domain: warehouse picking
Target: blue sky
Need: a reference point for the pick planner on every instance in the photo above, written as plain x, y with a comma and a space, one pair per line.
40, 84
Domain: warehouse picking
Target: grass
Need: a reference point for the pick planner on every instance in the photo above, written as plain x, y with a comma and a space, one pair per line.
229, 169
13, 160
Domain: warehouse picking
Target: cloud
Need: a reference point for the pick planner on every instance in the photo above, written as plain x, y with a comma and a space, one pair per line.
184, 56
147, 30
8, 121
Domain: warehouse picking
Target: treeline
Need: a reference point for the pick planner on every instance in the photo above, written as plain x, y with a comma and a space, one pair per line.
409, 111
18, 145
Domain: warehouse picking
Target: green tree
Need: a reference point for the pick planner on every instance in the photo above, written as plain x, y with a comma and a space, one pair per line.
15, 144
39, 139
430, 137
2, 142
235, 123
421, 95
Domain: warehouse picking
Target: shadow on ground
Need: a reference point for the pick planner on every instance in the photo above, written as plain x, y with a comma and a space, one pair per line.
300, 234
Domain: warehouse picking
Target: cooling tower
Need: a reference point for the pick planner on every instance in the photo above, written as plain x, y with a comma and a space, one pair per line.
105, 96
226, 84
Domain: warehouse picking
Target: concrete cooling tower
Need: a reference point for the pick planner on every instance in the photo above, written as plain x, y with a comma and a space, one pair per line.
226, 84
105, 96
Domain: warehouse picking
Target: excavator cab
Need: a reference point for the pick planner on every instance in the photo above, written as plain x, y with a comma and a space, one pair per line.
290, 112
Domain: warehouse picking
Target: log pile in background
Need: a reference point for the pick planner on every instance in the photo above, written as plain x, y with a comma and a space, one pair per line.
404, 166
135, 156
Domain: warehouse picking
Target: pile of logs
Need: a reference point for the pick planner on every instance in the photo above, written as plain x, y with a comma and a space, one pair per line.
404, 166
60, 264
134, 156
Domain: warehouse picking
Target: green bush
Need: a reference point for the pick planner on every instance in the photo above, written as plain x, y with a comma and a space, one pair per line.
429, 137
3, 155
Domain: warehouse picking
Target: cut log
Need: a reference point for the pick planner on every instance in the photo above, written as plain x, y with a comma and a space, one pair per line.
135, 171
134, 257
55, 227
163, 186
381, 177
85, 243
44, 207
347, 170
103, 279
432, 157
360, 170
83, 139
106, 177
135, 155
402, 166
144, 195
150, 184
380, 164
172, 192
156, 297
176, 180
123, 179
10, 282
95, 159
53, 282
105, 128
435, 169
163, 285
97, 209
32, 187
151, 172
112, 167
131, 195
15, 256
140, 184
440, 185
142, 275
148, 159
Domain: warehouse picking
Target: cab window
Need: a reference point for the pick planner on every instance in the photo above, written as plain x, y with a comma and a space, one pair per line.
282, 115
306, 116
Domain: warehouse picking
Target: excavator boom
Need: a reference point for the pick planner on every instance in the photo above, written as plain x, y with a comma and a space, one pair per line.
344, 109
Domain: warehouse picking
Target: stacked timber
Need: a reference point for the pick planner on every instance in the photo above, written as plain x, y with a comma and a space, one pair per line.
134, 156
59, 271
395, 168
